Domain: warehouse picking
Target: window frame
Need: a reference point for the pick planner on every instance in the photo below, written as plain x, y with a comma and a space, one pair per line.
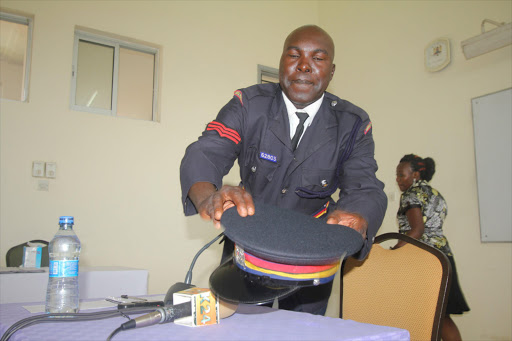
29, 21
116, 43
267, 71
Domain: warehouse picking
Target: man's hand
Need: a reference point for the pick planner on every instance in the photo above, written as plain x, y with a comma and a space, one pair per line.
352, 220
211, 204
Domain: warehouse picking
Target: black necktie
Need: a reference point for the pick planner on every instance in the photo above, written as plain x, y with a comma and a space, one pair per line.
300, 128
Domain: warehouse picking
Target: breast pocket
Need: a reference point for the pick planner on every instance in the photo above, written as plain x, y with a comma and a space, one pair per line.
318, 180
260, 169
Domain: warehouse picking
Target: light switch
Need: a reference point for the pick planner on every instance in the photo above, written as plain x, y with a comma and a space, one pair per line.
38, 168
51, 170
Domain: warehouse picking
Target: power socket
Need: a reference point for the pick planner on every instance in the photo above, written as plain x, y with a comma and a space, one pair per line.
38, 168
51, 170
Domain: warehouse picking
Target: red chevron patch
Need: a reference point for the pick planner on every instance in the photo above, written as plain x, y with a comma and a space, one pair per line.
224, 131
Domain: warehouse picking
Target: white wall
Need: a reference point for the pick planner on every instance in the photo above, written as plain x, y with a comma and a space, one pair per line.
379, 56
119, 177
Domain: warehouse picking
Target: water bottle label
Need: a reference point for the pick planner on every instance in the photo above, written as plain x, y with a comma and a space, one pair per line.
63, 268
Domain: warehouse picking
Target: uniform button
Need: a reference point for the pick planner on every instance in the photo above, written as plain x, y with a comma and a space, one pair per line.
333, 103
284, 190
253, 169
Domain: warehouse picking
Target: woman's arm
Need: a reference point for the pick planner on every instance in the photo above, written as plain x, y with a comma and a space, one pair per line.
415, 218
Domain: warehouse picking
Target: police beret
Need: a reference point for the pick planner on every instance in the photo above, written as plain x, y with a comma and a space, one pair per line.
277, 251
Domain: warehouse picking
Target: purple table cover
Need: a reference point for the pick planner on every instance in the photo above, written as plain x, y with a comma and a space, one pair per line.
249, 323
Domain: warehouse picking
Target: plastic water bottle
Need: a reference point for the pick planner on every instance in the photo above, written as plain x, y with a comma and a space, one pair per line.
64, 251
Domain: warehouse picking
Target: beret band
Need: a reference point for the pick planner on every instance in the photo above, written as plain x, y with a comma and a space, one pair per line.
277, 251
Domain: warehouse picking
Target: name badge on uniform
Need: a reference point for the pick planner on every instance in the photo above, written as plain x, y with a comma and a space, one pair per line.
268, 157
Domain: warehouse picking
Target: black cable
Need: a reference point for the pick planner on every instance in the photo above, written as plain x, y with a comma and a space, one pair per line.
70, 317
61, 317
114, 333
188, 280
188, 277
9, 332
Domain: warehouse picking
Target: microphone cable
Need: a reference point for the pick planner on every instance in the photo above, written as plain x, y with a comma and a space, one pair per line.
117, 330
70, 317
188, 279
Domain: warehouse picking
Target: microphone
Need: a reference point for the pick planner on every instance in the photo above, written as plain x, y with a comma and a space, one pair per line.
195, 307
188, 313
160, 315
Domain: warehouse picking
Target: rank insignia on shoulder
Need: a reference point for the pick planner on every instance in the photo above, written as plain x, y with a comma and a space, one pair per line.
368, 127
238, 94
268, 157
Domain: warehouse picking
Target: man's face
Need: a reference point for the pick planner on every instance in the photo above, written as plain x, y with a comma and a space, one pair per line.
306, 65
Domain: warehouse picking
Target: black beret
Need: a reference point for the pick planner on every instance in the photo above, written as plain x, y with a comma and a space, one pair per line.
278, 251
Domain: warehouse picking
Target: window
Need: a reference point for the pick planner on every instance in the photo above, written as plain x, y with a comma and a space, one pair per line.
267, 74
114, 76
15, 43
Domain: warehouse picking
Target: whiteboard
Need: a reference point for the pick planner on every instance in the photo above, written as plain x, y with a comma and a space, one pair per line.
492, 125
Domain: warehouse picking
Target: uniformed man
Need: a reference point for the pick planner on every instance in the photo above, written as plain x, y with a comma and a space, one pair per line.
260, 127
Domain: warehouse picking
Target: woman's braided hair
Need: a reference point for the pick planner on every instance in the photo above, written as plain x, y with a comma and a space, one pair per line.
426, 166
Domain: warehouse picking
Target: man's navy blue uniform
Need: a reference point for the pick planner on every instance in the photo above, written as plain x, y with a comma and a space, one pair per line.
335, 151
253, 128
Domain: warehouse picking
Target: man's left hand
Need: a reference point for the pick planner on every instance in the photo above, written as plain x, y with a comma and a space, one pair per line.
352, 220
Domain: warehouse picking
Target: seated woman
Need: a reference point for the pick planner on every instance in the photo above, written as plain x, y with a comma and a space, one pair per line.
421, 215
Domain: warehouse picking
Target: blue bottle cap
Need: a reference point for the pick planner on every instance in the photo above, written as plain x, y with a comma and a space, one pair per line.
66, 220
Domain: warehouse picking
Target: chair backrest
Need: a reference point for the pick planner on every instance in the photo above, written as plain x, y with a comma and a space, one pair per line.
14, 256
405, 288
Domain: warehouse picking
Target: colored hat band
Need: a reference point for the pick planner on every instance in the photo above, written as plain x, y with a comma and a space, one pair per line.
321, 211
317, 274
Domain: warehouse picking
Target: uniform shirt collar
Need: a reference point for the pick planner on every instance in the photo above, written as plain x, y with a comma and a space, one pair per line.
311, 110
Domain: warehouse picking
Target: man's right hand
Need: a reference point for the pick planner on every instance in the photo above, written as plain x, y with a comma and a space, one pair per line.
211, 204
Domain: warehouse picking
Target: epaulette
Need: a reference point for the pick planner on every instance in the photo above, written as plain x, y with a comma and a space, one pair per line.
342, 105
246, 94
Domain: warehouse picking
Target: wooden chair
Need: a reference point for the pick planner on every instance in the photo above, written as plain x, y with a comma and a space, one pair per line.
405, 288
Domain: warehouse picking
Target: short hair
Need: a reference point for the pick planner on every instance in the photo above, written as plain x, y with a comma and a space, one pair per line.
426, 167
